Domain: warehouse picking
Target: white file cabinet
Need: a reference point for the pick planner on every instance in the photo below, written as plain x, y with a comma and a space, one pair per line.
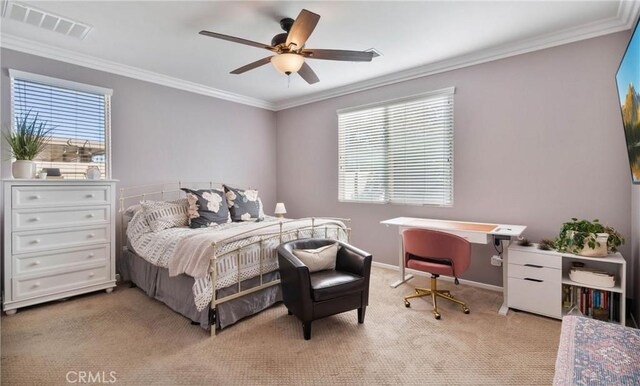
59, 240
536, 277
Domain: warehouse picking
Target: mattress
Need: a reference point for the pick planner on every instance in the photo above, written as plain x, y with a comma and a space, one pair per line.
593, 352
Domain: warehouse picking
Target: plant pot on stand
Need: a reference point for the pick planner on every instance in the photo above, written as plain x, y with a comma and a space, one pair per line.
22, 169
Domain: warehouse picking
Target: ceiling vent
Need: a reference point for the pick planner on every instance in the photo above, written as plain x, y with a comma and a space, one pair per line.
43, 19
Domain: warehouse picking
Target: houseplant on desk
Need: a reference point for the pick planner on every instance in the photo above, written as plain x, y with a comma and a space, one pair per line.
588, 238
25, 142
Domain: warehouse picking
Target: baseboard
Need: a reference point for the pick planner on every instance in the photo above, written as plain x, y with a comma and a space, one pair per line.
471, 283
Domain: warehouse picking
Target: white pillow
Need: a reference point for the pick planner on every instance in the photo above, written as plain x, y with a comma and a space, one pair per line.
318, 259
166, 214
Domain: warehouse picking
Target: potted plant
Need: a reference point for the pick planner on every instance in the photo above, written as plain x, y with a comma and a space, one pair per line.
26, 142
588, 238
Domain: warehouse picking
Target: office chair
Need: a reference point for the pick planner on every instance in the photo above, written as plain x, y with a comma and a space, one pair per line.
438, 253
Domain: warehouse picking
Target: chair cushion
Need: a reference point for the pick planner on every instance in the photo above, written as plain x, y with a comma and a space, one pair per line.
434, 266
318, 259
332, 284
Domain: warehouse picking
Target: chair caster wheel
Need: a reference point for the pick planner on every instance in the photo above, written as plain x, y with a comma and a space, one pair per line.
437, 316
407, 304
465, 310
418, 291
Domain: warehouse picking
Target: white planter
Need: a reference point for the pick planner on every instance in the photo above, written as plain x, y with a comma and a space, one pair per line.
22, 169
598, 251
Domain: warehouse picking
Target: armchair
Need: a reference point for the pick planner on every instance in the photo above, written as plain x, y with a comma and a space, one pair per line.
311, 296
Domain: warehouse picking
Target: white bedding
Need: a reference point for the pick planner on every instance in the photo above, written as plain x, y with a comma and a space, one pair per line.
186, 250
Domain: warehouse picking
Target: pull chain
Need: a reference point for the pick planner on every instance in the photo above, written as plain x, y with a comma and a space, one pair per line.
288, 80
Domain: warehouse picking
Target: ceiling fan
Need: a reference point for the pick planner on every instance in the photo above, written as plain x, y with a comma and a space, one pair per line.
289, 48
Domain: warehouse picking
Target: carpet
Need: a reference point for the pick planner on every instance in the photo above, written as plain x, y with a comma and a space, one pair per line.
132, 339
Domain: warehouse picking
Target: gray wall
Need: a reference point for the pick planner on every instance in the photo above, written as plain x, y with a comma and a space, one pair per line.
161, 134
538, 140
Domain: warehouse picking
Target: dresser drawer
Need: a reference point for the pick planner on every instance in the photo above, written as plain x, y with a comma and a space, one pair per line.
51, 284
544, 298
32, 197
535, 272
26, 219
45, 261
33, 241
523, 258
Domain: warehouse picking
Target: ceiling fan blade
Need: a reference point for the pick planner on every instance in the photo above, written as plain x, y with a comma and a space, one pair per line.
349, 56
307, 74
302, 28
251, 66
236, 40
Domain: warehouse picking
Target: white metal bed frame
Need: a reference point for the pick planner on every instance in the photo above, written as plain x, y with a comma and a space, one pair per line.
169, 191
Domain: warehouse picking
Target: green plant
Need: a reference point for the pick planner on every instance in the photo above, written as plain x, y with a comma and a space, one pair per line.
30, 137
574, 235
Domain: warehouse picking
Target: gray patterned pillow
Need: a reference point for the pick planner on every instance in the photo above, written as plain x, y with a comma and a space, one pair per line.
165, 214
244, 204
206, 208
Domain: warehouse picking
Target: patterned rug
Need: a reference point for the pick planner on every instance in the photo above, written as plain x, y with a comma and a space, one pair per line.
132, 339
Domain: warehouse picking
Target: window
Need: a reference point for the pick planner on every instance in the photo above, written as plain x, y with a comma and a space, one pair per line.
399, 151
79, 116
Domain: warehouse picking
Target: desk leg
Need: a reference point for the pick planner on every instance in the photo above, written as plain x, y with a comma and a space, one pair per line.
504, 309
403, 276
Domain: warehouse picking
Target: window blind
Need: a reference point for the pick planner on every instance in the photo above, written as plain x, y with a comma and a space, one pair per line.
398, 152
79, 116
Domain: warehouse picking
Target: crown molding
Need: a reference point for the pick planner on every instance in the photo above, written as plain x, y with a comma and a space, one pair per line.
627, 15
16, 43
628, 12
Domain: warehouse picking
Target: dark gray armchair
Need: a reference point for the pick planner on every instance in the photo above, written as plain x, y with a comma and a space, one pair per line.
311, 296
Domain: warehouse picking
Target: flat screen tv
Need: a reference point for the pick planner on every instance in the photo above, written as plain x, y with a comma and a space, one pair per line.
628, 82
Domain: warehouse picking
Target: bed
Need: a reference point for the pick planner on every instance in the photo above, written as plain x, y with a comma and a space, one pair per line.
213, 276
593, 352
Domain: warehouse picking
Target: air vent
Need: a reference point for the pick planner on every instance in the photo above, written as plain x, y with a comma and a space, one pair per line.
43, 19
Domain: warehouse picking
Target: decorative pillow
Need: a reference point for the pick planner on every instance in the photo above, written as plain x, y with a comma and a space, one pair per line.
318, 259
244, 205
206, 208
165, 214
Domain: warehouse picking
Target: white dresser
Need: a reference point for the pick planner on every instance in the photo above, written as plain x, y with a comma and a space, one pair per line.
59, 240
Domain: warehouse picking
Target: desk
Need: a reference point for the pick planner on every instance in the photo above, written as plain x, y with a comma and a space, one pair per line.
477, 233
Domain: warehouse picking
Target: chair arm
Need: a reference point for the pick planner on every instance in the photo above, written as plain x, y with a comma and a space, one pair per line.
295, 283
353, 260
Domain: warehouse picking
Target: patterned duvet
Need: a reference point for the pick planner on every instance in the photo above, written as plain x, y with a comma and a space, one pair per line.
163, 249
593, 352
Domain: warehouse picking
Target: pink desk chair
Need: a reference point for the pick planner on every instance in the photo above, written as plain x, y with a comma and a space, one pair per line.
438, 253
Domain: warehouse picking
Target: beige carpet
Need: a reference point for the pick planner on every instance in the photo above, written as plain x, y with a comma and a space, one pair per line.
144, 342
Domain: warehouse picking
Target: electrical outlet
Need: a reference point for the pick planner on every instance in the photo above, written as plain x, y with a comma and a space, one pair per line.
496, 260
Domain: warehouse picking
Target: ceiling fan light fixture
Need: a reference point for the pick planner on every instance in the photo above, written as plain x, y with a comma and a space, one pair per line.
287, 63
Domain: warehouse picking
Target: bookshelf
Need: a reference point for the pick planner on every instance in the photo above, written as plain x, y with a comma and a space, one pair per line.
539, 282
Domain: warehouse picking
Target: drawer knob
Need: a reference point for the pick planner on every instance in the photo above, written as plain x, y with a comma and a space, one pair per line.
36, 241
36, 197
91, 195
36, 284
91, 215
91, 255
37, 262
91, 235
35, 219
92, 274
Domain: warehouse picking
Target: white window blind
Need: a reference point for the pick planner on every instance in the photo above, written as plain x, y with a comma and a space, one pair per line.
399, 151
79, 116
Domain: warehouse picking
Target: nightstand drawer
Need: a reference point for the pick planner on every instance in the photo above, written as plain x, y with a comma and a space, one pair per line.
540, 297
26, 219
544, 260
54, 196
38, 286
535, 272
33, 241
45, 261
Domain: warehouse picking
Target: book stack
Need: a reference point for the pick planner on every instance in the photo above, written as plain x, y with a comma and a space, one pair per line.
592, 302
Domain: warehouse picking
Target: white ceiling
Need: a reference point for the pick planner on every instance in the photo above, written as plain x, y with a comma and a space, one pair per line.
159, 40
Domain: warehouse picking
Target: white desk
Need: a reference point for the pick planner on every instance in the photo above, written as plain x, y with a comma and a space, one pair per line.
478, 233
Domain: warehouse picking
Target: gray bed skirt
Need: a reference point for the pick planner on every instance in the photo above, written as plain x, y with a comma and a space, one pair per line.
176, 292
